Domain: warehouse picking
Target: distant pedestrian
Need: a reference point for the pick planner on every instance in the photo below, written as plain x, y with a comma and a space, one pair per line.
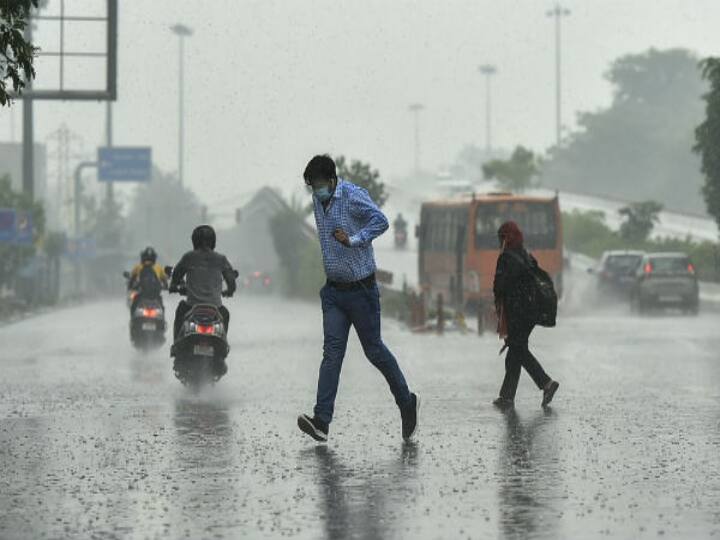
347, 222
513, 303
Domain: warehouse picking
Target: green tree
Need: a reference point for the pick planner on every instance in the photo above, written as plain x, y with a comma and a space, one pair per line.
13, 257
643, 141
707, 138
515, 173
640, 219
363, 175
16, 54
300, 256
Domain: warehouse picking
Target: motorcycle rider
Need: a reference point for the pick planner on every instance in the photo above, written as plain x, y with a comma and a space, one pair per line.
400, 230
204, 271
147, 278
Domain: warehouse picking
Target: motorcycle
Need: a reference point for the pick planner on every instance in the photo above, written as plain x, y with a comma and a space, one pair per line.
400, 238
147, 320
201, 345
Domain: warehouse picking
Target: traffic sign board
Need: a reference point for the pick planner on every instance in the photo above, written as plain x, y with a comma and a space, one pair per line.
125, 164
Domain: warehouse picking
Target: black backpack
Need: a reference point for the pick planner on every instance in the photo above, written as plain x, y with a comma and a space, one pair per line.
543, 298
148, 283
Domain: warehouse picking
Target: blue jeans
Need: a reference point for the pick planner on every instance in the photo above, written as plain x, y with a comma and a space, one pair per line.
361, 309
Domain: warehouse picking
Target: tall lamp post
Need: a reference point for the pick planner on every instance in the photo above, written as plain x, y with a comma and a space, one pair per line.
415, 108
182, 32
558, 12
488, 71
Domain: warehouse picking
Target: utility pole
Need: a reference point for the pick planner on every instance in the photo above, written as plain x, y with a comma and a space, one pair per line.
415, 108
488, 70
558, 12
28, 175
182, 32
109, 142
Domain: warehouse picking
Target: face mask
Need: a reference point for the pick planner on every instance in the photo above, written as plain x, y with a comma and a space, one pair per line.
322, 193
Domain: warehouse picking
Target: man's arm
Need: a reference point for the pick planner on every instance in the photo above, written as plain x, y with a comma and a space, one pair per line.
363, 208
229, 276
178, 273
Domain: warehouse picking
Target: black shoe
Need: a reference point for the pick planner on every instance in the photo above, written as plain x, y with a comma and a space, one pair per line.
409, 415
314, 427
549, 392
503, 403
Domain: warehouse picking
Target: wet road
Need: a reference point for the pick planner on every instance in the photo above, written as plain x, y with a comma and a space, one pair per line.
98, 441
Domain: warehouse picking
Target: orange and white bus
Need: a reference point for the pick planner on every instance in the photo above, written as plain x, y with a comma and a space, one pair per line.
458, 244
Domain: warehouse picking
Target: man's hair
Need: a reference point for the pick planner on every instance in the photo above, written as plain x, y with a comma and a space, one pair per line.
320, 167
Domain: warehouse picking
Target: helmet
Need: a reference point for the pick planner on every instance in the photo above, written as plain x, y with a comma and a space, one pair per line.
148, 255
203, 237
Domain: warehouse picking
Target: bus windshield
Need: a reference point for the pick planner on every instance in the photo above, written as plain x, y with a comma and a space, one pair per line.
537, 220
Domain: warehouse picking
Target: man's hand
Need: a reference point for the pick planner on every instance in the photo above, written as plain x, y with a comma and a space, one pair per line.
342, 237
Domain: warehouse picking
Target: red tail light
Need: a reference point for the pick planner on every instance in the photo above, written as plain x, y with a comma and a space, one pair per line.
202, 329
267, 281
648, 268
691, 268
150, 313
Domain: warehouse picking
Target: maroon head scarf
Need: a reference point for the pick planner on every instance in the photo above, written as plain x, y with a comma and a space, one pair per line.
510, 235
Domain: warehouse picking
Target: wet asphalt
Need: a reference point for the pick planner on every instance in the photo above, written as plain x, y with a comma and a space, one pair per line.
100, 441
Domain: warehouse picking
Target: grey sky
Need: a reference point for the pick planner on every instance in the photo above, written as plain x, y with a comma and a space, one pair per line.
270, 82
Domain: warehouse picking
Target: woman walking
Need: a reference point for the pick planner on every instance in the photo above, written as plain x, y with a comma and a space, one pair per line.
513, 303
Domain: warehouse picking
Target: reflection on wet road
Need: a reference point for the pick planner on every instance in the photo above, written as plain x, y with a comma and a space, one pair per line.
97, 440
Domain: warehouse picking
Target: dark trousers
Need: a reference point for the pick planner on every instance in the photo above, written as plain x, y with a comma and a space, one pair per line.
519, 356
184, 308
359, 308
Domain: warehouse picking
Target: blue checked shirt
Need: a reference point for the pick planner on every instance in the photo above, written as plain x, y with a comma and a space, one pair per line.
352, 210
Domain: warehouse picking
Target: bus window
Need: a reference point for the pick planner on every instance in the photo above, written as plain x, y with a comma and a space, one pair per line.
535, 219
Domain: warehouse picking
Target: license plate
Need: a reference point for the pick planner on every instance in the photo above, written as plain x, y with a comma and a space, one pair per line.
151, 326
204, 350
670, 298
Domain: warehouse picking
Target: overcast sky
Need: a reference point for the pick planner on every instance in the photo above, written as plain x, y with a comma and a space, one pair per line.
271, 82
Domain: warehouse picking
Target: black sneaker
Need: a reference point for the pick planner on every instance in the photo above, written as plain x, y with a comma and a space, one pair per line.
314, 427
503, 403
409, 415
549, 392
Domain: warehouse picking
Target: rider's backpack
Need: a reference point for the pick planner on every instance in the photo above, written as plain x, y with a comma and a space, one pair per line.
148, 282
543, 299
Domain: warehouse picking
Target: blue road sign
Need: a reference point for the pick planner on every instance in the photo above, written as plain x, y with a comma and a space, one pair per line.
23, 228
125, 164
7, 225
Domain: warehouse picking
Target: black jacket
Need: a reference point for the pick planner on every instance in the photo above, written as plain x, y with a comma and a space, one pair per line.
512, 286
204, 271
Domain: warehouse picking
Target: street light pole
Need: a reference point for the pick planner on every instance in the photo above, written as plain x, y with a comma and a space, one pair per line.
488, 70
558, 12
182, 32
415, 108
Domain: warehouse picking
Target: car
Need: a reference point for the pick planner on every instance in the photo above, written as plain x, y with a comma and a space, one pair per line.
616, 272
258, 282
666, 280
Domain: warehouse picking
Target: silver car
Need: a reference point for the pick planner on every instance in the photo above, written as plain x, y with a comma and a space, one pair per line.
665, 280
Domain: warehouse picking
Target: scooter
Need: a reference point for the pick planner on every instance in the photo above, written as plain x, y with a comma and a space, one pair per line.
400, 238
147, 320
201, 345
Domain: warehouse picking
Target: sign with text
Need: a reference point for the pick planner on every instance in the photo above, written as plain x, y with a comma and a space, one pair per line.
125, 164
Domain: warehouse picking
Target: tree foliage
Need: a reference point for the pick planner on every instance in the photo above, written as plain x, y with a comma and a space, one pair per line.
16, 54
707, 138
514, 174
13, 257
363, 175
640, 219
643, 141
